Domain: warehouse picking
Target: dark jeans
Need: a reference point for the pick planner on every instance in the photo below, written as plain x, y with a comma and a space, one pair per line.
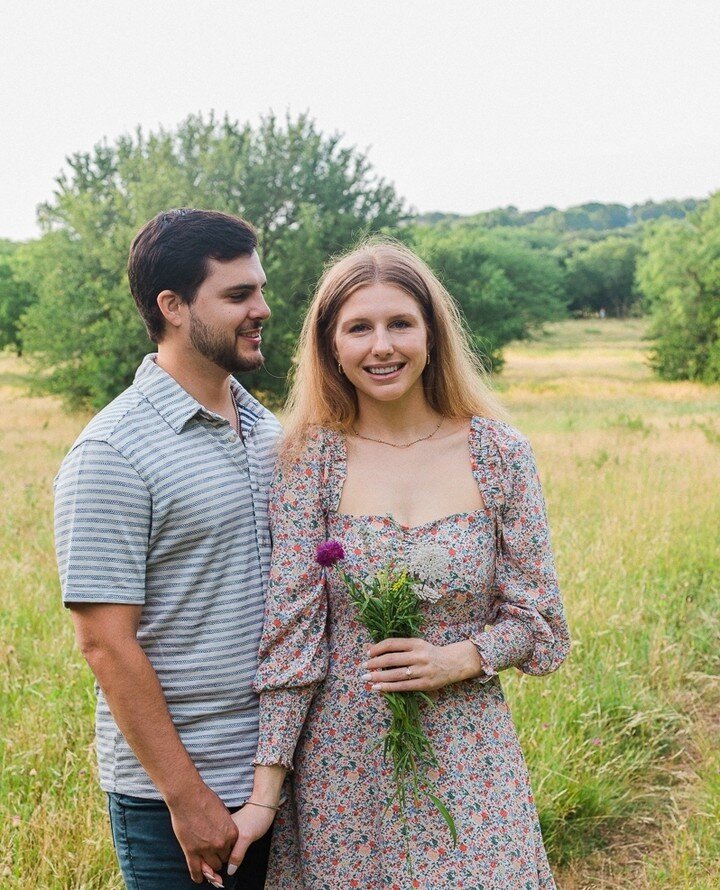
151, 858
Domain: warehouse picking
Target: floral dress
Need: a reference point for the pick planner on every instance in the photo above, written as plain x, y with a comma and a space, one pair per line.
335, 831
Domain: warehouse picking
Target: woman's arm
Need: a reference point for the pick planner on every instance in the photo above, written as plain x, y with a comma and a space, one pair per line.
293, 649
253, 821
528, 629
527, 626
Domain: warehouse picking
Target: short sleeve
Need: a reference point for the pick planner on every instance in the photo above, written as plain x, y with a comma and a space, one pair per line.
103, 512
527, 622
293, 650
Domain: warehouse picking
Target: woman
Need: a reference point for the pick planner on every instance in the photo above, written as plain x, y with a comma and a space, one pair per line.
393, 441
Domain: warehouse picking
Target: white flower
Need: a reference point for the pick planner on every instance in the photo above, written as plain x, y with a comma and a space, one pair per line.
429, 594
428, 562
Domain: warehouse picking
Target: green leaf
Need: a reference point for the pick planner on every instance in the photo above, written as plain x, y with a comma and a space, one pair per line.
445, 813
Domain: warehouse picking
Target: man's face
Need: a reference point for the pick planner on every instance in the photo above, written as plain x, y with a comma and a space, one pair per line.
227, 314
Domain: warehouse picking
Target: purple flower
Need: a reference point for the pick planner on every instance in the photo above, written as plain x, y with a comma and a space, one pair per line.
329, 552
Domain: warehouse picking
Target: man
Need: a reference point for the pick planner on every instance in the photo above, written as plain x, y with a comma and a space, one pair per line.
163, 548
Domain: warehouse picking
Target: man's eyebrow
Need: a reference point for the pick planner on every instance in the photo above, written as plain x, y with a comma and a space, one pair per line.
234, 288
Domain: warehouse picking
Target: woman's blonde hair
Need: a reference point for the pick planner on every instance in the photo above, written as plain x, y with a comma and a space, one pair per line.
454, 381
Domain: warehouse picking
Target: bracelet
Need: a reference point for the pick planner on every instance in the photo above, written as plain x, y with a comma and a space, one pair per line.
265, 806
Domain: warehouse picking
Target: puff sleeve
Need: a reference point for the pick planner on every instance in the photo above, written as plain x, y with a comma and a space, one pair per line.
293, 649
526, 624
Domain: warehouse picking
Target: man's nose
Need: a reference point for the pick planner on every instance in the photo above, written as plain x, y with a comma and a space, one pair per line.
260, 308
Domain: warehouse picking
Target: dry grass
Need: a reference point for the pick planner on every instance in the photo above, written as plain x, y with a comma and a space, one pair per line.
618, 740
621, 742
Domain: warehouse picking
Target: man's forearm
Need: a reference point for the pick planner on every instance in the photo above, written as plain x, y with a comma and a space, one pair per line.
107, 635
136, 700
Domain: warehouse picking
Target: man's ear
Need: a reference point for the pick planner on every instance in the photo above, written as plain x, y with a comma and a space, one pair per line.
169, 303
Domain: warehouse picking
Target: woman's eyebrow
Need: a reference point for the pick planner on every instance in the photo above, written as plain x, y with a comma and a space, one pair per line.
404, 316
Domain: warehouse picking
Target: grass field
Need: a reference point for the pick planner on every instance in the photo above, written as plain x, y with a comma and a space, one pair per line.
621, 743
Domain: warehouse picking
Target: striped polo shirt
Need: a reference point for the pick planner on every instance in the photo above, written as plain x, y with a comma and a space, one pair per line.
160, 504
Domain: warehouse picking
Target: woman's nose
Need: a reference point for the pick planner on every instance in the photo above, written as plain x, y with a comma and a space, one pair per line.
381, 343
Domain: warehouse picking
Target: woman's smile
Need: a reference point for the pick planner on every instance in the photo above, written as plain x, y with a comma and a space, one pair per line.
385, 371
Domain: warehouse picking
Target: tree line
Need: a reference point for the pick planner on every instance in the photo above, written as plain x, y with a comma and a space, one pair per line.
64, 298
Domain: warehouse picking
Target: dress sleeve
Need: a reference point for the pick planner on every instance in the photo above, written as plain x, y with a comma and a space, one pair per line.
293, 650
527, 626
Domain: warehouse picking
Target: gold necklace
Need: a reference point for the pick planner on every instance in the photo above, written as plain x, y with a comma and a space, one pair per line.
394, 444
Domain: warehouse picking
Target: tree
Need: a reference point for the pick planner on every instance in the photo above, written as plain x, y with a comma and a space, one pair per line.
602, 275
504, 288
307, 195
672, 208
679, 274
584, 218
15, 297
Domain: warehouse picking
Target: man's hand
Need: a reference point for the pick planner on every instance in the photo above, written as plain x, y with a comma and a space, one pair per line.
204, 828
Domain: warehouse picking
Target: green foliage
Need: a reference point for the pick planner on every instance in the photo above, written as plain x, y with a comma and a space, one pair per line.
83, 326
594, 245
679, 274
307, 195
505, 288
602, 275
673, 209
600, 217
586, 218
15, 297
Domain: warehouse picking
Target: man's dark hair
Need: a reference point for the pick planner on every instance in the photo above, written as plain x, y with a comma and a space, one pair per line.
171, 252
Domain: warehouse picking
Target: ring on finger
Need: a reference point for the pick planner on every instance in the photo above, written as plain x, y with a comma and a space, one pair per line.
409, 671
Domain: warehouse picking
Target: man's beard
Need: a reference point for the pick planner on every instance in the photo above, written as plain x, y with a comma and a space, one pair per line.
220, 349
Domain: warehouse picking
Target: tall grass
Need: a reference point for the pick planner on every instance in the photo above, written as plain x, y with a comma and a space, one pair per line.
632, 483
52, 825
619, 742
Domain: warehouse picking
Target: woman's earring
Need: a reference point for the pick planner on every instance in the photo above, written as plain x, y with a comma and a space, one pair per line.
340, 370
428, 360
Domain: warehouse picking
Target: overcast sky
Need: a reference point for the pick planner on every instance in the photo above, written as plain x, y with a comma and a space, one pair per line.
464, 105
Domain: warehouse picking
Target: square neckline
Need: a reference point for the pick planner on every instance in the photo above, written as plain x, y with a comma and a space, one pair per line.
407, 529
483, 511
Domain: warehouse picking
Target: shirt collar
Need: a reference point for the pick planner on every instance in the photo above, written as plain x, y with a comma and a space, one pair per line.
250, 409
177, 406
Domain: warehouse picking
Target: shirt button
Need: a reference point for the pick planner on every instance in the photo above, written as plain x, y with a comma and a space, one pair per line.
232, 438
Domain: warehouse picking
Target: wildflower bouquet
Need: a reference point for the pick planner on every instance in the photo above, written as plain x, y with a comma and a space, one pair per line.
388, 604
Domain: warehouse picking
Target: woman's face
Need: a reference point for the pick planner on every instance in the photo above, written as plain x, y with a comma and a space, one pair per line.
381, 342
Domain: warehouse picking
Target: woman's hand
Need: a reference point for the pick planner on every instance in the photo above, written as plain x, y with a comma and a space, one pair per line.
414, 665
252, 822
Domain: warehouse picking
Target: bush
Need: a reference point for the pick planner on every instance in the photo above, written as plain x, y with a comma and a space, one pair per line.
679, 274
